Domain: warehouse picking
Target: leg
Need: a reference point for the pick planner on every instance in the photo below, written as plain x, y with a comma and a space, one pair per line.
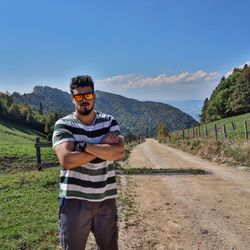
75, 221
105, 227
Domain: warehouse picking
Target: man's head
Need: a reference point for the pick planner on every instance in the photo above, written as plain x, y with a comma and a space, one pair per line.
81, 81
83, 96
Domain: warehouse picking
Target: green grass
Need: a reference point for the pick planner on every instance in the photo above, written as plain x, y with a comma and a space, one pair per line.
237, 134
17, 151
29, 210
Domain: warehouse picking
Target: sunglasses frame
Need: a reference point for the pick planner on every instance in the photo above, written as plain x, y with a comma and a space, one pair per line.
84, 96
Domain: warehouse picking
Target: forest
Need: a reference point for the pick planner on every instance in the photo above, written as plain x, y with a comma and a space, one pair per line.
230, 98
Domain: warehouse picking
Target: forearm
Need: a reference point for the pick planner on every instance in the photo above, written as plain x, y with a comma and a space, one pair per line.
106, 151
75, 159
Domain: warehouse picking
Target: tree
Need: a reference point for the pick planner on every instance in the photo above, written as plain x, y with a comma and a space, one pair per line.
161, 132
14, 113
204, 111
40, 111
241, 100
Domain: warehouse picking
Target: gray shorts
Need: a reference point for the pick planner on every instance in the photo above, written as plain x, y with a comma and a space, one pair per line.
78, 217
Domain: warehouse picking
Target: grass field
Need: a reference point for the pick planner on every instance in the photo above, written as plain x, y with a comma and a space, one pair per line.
17, 148
29, 210
234, 127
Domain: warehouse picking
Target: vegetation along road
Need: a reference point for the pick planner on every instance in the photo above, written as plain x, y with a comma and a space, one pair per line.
177, 211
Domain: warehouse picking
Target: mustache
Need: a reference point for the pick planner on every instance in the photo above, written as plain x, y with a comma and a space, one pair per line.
84, 104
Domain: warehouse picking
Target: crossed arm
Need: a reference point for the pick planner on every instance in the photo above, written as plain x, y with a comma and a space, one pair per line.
111, 148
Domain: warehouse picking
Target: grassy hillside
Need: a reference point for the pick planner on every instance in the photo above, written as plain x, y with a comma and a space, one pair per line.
17, 151
234, 150
29, 210
234, 127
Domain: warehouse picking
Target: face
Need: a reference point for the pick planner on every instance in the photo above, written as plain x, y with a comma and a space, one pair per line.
84, 100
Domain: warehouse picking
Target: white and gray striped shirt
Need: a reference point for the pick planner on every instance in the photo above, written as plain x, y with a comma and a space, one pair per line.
94, 181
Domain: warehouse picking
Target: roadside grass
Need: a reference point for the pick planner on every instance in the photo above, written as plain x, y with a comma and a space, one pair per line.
17, 148
222, 151
126, 201
29, 210
233, 150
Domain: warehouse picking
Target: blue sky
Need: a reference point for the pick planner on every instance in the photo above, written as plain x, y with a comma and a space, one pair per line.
148, 50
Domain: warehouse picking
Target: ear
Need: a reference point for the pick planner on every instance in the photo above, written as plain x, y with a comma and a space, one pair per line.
72, 99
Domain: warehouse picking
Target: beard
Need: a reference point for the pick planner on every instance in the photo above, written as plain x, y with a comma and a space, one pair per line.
85, 111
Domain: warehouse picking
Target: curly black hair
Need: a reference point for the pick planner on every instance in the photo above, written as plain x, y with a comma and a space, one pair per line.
81, 81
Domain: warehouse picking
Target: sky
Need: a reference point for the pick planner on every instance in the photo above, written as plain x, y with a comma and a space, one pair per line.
144, 49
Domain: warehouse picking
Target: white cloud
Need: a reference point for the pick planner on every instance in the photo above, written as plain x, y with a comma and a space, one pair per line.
123, 82
186, 85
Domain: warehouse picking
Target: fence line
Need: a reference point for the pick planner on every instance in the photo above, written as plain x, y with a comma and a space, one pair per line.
224, 131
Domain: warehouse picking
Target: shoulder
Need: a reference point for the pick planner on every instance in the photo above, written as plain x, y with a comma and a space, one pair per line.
102, 117
67, 120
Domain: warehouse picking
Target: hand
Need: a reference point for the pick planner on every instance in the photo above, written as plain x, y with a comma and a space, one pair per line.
110, 138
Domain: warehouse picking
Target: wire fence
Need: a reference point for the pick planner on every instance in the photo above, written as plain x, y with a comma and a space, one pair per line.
233, 130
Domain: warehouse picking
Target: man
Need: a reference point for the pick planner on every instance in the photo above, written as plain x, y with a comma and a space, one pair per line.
86, 143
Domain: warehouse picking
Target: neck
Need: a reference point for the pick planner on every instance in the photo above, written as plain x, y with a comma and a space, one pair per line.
86, 119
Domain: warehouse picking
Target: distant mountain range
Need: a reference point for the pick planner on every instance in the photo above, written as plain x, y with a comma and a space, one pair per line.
191, 107
133, 116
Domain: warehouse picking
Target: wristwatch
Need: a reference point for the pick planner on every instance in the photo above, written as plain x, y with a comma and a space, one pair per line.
81, 146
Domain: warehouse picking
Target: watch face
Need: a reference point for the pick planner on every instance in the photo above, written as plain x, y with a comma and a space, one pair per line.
81, 146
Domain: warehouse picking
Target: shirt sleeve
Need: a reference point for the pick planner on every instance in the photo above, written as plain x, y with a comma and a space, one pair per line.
61, 134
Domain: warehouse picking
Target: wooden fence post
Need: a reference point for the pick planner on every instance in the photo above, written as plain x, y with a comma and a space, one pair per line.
38, 152
38, 145
199, 131
224, 130
183, 134
233, 125
193, 133
215, 132
206, 130
245, 130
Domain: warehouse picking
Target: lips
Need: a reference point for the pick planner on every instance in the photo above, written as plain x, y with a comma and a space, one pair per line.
85, 104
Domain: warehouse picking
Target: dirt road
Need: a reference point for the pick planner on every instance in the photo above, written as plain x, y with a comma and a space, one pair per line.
184, 211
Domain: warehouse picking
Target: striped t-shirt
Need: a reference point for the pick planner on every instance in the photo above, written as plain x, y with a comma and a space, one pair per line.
94, 181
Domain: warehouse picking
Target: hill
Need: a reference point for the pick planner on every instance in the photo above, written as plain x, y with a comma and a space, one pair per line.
191, 107
17, 148
231, 97
133, 116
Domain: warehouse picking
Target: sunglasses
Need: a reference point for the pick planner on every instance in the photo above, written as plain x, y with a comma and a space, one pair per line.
86, 96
